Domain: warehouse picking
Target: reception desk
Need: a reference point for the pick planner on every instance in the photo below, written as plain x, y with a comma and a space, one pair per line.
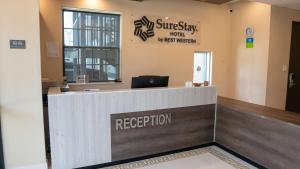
267, 136
97, 127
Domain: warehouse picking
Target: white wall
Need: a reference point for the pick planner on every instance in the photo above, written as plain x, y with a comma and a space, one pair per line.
248, 75
257, 74
280, 43
20, 85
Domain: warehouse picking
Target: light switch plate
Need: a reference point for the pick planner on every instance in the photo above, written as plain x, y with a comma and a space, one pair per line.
17, 44
284, 68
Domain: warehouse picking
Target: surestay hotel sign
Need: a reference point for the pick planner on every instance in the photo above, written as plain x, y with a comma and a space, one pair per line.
164, 30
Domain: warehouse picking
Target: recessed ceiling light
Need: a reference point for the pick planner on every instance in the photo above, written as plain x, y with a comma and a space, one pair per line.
92, 1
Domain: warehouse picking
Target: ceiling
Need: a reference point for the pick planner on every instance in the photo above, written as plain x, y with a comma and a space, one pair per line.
294, 4
214, 1
209, 1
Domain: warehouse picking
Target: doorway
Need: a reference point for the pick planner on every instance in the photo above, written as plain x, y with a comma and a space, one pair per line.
1, 149
202, 67
293, 90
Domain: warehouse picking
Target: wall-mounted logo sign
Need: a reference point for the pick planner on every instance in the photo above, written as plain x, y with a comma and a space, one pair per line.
165, 30
148, 26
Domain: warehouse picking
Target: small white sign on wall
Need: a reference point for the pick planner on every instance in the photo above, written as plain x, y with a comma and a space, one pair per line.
52, 49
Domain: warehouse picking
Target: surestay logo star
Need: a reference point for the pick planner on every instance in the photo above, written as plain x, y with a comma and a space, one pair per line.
144, 28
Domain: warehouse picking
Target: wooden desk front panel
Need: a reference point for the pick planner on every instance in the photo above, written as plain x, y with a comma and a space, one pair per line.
267, 141
188, 127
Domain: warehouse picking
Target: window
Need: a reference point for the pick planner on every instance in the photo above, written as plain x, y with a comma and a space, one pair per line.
91, 45
202, 67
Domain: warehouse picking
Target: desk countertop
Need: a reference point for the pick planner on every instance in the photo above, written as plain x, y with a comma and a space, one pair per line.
56, 90
290, 117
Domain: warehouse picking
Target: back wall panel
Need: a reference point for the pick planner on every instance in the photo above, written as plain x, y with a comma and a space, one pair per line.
146, 58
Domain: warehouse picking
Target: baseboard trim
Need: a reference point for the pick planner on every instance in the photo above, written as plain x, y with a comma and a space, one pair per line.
37, 166
247, 160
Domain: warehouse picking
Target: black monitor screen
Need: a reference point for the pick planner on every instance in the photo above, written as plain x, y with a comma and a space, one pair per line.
149, 81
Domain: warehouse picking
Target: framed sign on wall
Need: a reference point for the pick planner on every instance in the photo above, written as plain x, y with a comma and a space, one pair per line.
249, 37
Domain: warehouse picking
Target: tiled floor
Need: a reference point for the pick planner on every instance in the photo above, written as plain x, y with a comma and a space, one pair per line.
205, 158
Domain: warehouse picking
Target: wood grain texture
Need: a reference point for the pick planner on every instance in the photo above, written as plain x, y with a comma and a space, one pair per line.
79, 122
290, 117
191, 126
253, 133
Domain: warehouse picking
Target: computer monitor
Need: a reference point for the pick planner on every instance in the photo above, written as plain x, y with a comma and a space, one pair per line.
149, 81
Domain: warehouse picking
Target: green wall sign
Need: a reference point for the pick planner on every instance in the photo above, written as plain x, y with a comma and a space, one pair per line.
249, 42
